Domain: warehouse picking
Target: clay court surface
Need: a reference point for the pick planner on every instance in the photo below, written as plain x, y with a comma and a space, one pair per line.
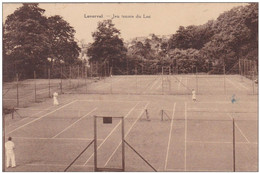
198, 136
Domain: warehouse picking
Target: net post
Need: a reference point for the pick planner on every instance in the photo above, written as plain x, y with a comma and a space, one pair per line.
95, 143
17, 89
123, 145
49, 81
34, 77
234, 149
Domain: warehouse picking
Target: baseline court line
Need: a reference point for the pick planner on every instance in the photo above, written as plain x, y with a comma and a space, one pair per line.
74, 123
63, 165
170, 136
111, 132
185, 137
239, 129
110, 101
41, 117
79, 139
127, 133
217, 142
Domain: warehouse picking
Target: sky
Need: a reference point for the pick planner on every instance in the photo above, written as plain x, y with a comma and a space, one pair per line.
157, 18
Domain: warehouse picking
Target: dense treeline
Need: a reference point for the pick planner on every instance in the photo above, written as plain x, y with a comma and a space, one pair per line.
207, 47
33, 42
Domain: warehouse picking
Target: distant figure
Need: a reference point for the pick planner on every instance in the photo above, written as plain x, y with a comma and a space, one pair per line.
193, 92
55, 99
233, 99
9, 150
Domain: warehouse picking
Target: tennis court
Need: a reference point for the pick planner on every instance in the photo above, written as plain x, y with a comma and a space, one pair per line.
161, 123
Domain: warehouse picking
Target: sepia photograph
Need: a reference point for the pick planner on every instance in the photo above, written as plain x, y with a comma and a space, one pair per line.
130, 87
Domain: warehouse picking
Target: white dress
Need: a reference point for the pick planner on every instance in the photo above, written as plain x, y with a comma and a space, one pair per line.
55, 99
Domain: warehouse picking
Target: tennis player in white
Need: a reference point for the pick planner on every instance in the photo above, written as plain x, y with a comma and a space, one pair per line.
193, 92
55, 99
9, 150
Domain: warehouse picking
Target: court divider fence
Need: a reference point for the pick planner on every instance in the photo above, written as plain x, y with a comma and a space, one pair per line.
100, 79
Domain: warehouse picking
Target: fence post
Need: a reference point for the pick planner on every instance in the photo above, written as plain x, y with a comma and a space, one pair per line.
61, 79
49, 74
111, 86
197, 88
70, 78
234, 147
86, 75
78, 76
162, 81
91, 68
34, 75
244, 67
253, 81
17, 90
135, 79
224, 70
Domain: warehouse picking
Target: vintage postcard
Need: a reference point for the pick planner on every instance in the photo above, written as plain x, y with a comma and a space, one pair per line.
168, 87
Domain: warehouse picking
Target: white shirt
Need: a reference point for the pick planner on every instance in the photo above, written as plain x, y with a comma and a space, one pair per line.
55, 94
9, 147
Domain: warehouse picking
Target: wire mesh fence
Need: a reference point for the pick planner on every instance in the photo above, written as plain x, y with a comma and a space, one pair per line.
99, 78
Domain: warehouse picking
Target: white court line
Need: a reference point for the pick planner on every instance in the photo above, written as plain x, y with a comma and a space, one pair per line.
110, 101
62, 165
239, 129
185, 137
79, 139
233, 84
157, 81
111, 132
179, 83
198, 170
239, 84
218, 142
31, 115
40, 117
74, 123
126, 134
154, 82
169, 141
147, 87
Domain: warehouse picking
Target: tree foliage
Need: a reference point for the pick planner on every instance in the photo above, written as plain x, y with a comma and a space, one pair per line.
30, 39
108, 46
209, 47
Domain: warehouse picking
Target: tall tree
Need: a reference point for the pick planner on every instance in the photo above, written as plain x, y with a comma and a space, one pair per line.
26, 39
63, 47
108, 46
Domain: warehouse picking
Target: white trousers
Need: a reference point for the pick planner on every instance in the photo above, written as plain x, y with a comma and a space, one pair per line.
10, 157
